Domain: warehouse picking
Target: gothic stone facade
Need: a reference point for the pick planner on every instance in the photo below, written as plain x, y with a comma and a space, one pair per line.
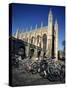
45, 37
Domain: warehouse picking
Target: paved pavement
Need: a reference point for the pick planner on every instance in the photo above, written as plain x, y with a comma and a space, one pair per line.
20, 77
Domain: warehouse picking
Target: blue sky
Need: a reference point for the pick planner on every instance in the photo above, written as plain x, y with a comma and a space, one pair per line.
24, 16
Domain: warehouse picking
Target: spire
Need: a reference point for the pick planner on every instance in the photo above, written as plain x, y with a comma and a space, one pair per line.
50, 22
36, 27
41, 24
18, 30
17, 33
50, 12
50, 16
30, 28
56, 25
56, 22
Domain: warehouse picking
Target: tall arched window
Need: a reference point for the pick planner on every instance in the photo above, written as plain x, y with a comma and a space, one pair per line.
32, 40
27, 39
44, 42
38, 37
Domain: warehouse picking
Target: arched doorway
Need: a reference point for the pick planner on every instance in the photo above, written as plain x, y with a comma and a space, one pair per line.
31, 52
44, 43
32, 40
21, 52
39, 52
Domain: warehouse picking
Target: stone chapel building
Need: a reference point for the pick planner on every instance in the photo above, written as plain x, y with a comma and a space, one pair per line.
45, 37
